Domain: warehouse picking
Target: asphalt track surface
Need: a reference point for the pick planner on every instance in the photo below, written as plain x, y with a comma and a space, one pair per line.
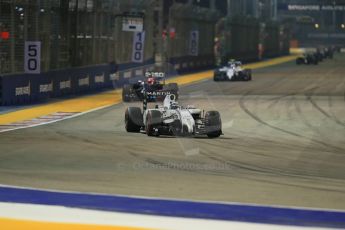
283, 144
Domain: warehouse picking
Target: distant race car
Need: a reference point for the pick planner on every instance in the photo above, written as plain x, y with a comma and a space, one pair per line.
154, 86
308, 58
233, 71
173, 119
329, 52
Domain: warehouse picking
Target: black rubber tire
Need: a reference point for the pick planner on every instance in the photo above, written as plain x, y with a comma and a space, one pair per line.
298, 61
127, 89
176, 128
173, 86
173, 89
220, 77
133, 119
153, 119
213, 124
250, 76
247, 75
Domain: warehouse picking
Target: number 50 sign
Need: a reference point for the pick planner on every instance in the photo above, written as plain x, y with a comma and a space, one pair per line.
32, 57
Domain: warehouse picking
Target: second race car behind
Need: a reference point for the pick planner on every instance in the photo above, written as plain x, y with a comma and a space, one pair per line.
154, 86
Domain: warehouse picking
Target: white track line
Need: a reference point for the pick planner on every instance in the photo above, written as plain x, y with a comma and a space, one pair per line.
58, 214
50, 122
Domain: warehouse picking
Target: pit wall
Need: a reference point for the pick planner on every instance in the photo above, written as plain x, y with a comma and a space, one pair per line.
20, 89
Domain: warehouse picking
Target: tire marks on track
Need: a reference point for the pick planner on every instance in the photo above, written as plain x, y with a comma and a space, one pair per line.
258, 119
251, 172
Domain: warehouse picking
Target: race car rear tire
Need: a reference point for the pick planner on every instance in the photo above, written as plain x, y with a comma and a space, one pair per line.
213, 124
126, 90
153, 119
299, 61
173, 86
247, 75
133, 119
173, 89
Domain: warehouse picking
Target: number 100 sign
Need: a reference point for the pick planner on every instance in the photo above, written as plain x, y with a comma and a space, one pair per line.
32, 57
138, 47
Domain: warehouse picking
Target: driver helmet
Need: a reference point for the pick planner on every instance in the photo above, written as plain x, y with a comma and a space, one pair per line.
231, 62
151, 81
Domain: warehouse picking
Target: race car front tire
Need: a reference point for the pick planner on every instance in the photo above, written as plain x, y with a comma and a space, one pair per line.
299, 61
133, 119
219, 77
213, 124
153, 119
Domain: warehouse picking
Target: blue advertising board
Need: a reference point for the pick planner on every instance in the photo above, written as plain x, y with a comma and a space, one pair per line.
24, 88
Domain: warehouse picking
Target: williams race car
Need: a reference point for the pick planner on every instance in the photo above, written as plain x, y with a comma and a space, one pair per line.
173, 119
233, 71
154, 86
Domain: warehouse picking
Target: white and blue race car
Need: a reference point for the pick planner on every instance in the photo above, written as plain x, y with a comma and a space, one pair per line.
173, 119
233, 71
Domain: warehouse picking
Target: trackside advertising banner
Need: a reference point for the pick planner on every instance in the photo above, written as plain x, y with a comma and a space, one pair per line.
310, 7
194, 43
24, 88
27, 88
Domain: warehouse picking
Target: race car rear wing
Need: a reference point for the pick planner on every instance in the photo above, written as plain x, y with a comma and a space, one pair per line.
155, 74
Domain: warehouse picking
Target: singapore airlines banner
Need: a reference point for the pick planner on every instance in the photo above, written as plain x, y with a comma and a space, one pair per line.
311, 7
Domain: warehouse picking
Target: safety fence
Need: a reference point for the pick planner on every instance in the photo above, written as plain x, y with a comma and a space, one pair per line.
247, 39
73, 33
271, 40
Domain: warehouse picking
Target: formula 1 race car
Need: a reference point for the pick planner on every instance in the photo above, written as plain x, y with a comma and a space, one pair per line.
324, 53
308, 59
233, 71
329, 52
173, 119
154, 87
